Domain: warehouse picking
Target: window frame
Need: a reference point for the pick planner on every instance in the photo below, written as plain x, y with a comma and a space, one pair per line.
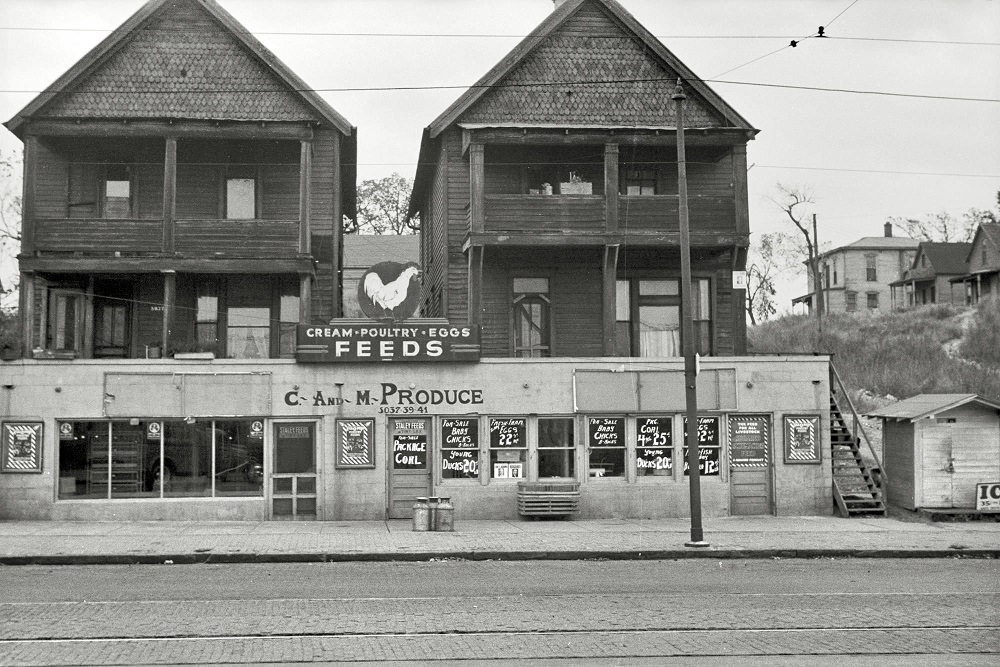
103, 197
477, 451
241, 172
871, 268
851, 301
51, 313
518, 300
524, 449
622, 446
870, 298
570, 451
704, 327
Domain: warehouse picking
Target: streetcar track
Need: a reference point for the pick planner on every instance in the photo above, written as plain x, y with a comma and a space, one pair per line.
500, 633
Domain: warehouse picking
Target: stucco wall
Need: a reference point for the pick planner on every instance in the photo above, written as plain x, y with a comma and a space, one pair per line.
49, 391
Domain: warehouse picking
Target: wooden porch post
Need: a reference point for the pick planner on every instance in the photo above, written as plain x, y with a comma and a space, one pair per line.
610, 297
610, 188
305, 298
477, 188
305, 197
169, 193
26, 307
169, 304
476, 285
28, 196
88, 319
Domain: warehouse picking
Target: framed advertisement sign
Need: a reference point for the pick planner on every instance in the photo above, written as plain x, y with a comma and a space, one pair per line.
802, 439
355, 443
22, 447
749, 441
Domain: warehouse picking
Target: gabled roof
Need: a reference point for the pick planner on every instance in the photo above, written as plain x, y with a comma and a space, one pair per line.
551, 25
928, 405
989, 232
945, 258
216, 87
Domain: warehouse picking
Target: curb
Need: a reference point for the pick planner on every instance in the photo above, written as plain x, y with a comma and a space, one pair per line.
376, 557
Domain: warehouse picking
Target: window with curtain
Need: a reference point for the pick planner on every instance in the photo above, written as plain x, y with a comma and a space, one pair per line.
648, 317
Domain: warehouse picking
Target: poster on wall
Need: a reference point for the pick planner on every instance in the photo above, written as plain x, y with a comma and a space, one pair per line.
801, 439
22, 447
709, 446
355, 439
749, 441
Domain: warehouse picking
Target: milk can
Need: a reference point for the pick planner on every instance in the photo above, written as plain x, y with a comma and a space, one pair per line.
432, 503
445, 516
421, 515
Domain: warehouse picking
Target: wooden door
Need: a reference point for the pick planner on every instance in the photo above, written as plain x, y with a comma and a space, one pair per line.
294, 485
750, 490
409, 464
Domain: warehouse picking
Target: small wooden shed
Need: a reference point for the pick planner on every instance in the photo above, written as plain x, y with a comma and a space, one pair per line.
937, 447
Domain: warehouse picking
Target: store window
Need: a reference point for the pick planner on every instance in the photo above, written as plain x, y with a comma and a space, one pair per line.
532, 331
606, 447
556, 447
709, 446
460, 448
654, 450
161, 459
508, 447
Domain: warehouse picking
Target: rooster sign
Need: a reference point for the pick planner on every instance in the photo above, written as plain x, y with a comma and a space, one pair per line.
390, 290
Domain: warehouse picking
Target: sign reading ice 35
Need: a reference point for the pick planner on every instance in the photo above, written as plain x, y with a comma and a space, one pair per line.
381, 342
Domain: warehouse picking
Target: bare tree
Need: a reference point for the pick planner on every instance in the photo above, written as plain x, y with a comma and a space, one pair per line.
382, 206
769, 257
10, 219
945, 227
796, 201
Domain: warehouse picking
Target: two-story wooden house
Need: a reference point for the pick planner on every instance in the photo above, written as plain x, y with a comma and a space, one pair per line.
548, 197
981, 278
930, 276
183, 190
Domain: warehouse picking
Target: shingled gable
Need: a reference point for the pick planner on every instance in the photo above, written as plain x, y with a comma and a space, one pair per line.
637, 75
181, 59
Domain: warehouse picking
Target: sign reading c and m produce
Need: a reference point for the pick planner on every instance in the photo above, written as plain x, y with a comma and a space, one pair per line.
374, 342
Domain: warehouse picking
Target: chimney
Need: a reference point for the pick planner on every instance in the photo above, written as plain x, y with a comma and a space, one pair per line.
888, 230
558, 3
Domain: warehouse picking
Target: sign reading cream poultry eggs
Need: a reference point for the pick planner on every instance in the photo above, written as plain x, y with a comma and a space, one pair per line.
421, 340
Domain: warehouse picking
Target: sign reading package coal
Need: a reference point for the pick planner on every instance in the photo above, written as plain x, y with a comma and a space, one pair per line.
375, 342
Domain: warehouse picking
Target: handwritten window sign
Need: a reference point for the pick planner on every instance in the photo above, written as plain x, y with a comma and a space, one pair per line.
606, 457
508, 432
606, 431
801, 439
409, 451
22, 447
459, 448
709, 446
654, 448
749, 441
355, 443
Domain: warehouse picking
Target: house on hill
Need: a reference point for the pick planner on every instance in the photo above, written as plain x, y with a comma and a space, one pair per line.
857, 277
159, 217
981, 277
930, 277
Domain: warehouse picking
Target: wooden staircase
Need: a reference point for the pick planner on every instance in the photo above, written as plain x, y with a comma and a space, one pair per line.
857, 487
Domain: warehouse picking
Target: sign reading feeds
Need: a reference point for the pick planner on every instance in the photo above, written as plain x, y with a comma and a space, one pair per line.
390, 291
423, 340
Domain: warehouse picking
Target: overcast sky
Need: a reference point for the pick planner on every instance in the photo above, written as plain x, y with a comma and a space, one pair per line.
864, 156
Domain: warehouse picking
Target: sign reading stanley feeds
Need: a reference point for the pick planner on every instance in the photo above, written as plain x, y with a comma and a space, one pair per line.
388, 293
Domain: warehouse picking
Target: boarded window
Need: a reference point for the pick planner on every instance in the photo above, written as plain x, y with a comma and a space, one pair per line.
241, 198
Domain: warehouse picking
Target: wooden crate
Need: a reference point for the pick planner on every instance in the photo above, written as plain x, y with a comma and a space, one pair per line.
548, 498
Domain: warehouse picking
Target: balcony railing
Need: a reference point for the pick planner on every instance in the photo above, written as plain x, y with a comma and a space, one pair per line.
539, 213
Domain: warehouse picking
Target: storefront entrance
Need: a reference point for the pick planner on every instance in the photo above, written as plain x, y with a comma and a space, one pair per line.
293, 481
750, 465
409, 470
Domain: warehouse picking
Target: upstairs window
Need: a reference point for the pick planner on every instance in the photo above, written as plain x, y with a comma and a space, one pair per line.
241, 198
64, 330
532, 312
638, 181
871, 268
648, 317
117, 192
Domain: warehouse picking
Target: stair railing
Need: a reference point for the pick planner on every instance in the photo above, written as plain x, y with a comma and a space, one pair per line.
842, 398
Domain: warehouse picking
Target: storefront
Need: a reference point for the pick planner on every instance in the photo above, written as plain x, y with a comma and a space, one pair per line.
231, 439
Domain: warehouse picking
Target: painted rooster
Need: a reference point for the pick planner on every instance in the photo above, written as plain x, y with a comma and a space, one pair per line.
390, 295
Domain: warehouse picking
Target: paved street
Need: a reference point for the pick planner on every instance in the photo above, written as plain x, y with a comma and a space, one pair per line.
635, 612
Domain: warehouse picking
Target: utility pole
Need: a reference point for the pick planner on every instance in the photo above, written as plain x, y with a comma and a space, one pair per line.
687, 331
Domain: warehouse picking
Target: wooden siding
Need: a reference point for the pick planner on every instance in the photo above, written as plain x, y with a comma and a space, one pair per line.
243, 238
898, 459
457, 180
527, 213
661, 213
98, 236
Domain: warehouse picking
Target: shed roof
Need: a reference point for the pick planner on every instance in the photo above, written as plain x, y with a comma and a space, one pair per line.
362, 251
927, 405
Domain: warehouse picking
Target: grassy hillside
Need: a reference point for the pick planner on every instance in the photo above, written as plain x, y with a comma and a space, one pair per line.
931, 349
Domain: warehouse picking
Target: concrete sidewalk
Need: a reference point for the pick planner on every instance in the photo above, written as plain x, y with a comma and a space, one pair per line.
66, 542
